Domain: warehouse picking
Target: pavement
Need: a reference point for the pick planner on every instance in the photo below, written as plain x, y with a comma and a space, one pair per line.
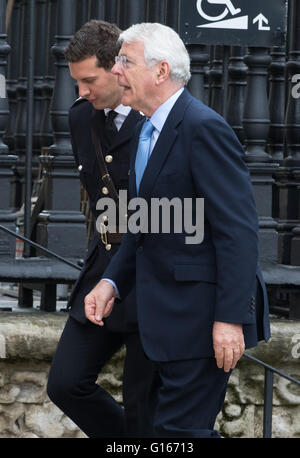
9, 299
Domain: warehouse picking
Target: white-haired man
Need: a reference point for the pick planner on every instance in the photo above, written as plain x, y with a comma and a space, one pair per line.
199, 305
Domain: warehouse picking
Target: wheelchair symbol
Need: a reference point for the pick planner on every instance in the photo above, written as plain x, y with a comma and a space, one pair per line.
229, 8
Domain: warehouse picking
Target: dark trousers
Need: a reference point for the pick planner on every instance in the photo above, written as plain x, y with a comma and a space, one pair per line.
187, 397
82, 352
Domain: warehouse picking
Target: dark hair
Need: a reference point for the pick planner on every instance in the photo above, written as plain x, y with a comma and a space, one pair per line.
95, 38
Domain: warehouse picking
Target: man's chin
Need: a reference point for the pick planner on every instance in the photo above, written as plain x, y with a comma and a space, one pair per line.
125, 101
126, 98
97, 106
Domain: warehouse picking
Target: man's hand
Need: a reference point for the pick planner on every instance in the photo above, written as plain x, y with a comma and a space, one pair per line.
98, 304
229, 345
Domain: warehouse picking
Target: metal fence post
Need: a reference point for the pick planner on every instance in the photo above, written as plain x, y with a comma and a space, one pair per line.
61, 222
29, 124
237, 72
268, 403
7, 217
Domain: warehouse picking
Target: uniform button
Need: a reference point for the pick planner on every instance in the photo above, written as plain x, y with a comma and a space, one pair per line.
80, 168
108, 159
140, 248
104, 190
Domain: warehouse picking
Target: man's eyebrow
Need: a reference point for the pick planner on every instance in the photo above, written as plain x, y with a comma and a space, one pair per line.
128, 57
88, 78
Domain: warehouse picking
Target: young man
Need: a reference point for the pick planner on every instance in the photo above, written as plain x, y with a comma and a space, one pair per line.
84, 348
200, 304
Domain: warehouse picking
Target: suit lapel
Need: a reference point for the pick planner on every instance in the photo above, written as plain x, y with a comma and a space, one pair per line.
84, 146
132, 122
125, 133
134, 147
163, 145
98, 120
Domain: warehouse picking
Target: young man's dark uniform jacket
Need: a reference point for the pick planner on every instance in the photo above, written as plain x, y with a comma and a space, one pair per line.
82, 117
84, 348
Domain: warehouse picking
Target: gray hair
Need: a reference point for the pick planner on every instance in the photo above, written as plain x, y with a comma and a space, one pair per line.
161, 43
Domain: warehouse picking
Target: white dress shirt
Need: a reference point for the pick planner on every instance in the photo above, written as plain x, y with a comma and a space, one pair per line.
122, 111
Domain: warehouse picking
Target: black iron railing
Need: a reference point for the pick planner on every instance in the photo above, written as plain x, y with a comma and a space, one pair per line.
269, 370
254, 88
40, 247
268, 392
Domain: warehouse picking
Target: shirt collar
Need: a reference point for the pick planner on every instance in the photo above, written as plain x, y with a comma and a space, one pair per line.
159, 117
120, 109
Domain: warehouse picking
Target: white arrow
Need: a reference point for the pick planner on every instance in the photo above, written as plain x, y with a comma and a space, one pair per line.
261, 19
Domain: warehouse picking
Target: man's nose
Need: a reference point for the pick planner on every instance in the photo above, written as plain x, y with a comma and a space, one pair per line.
83, 90
117, 68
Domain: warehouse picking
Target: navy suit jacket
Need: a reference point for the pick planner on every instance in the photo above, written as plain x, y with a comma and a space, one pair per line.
183, 288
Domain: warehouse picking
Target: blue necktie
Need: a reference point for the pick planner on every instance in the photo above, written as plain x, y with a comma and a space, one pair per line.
143, 151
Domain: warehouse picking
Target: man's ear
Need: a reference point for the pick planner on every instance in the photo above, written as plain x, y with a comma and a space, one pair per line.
163, 72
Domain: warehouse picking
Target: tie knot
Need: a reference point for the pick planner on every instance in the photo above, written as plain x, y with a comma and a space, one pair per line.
147, 129
111, 116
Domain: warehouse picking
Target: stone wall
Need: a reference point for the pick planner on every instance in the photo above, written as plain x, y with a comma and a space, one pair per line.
242, 415
27, 345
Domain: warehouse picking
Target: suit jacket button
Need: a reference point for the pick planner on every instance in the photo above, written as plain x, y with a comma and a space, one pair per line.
104, 190
79, 168
140, 248
108, 159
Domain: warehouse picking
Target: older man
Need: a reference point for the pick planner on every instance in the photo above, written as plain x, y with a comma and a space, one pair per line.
199, 305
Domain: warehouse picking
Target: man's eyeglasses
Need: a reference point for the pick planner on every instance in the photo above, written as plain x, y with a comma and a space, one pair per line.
122, 60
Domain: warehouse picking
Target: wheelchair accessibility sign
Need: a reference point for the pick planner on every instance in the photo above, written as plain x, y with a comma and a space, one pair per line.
233, 22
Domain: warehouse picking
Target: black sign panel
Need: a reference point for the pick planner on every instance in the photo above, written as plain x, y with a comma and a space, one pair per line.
233, 22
